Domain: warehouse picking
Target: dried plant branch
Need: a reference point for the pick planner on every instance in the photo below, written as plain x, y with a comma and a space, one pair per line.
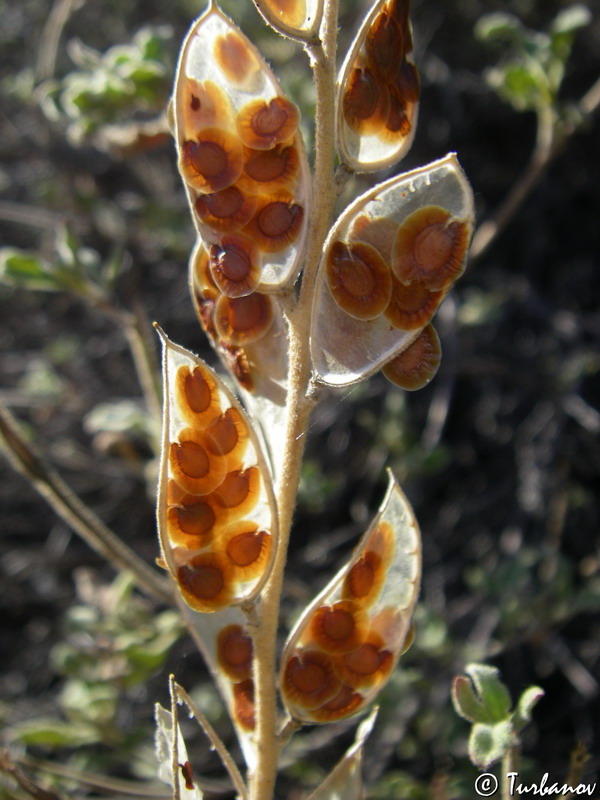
74, 512
550, 142
214, 738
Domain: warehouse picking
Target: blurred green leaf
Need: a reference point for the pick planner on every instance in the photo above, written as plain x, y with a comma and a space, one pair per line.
489, 743
53, 733
26, 269
529, 698
498, 25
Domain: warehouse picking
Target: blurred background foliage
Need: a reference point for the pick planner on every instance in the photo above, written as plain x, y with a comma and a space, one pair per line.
500, 455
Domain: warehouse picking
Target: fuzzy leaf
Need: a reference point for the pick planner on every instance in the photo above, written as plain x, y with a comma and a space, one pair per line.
163, 749
488, 743
387, 264
216, 508
465, 701
522, 714
492, 693
347, 642
344, 782
378, 90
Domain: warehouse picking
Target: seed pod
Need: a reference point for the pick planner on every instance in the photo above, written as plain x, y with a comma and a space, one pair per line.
298, 19
378, 90
226, 645
346, 643
238, 142
364, 314
216, 516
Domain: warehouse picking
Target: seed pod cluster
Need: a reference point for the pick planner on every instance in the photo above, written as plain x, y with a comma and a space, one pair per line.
388, 264
347, 642
379, 90
216, 507
243, 163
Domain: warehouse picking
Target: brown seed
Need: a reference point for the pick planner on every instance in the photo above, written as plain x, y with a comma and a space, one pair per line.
416, 365
308, 679
337, 628
245, 549
290, 12
191, 458
261, 124
235, 265
213, 161
365, 102
276, 224
227, 210
412, 306
194, 468
266, 170
359, 279
345, 702
204, 580
234, 652
430, 248
384, 46
205, 105
243, 320
365, 579
243, 704
239, 491
195, 520
235, 58
227, 435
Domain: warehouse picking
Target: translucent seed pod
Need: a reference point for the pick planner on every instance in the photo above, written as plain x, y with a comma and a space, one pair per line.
378, 90
226, 645
238, 331
228, 106
414, 367
345, 348
216, 508
297, 19
346, 643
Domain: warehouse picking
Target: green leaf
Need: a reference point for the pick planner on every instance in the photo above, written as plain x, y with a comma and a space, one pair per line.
466, 703
54, 733
26, 269
522, 714
499, 25
489, 743
493, 694
571, 19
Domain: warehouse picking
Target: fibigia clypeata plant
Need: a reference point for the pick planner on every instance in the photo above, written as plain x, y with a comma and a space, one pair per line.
292, 301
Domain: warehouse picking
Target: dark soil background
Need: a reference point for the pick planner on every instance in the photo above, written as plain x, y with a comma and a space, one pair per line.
500, 454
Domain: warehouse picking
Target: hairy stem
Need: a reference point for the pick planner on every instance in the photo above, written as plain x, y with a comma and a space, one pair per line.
300, 401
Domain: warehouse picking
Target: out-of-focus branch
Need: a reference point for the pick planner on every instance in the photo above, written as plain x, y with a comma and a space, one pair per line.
550, 142
74, 512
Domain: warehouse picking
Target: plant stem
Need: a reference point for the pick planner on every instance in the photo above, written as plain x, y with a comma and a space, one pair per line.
76, 514
300, 402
